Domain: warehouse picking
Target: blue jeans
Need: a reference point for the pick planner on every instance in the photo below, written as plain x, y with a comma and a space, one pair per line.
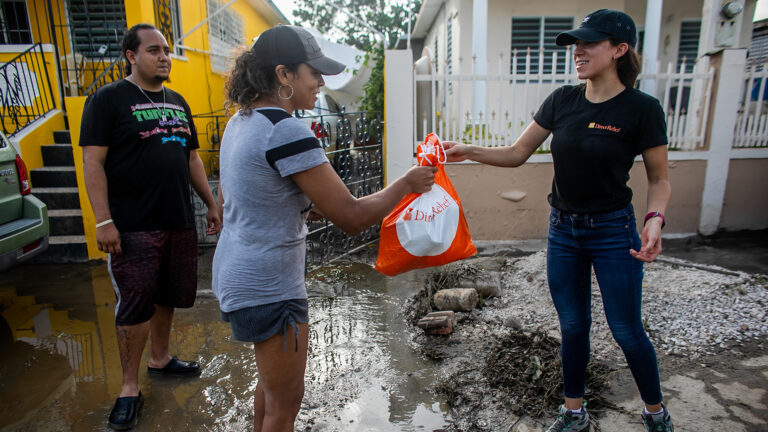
576, 244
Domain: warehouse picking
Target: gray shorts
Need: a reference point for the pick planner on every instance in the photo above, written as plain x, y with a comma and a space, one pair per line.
259, 323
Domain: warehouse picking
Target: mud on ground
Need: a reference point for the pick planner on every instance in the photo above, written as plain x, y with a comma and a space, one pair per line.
500, 369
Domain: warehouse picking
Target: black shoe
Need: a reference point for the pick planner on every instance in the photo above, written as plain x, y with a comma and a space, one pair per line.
125, 413
177, 367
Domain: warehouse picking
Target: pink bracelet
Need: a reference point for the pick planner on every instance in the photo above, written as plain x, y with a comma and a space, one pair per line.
653, 215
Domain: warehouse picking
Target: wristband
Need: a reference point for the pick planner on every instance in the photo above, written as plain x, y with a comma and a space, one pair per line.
101, 224
653, 215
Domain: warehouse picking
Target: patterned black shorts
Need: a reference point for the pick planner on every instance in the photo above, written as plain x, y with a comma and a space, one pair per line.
156, 267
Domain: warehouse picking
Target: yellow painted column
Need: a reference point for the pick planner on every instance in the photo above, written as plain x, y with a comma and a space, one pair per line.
75, 107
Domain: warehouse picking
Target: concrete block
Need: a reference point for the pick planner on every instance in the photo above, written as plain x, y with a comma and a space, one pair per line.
436, 324
486, 285
456, 299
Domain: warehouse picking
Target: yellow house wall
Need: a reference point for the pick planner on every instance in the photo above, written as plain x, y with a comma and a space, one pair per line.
42, 134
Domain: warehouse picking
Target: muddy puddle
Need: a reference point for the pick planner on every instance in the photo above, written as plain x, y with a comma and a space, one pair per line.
59, 367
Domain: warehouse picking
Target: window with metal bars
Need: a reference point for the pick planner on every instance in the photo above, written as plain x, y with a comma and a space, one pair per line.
538, 33
757, 55
168, 21
689, 44
97, 28
14, 23
225, 33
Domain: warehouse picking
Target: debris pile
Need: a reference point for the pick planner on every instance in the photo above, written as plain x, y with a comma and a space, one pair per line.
526, 367
502, 362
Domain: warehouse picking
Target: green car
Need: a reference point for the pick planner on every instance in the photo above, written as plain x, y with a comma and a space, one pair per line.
23, 218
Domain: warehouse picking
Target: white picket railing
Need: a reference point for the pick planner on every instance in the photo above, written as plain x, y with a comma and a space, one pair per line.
752, 121
512, 100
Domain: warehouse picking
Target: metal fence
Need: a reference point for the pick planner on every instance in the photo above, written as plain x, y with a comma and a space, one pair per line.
353, 145
446, 103
25, 90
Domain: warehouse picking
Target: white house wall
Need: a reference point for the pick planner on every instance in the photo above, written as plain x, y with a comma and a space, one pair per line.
460, 12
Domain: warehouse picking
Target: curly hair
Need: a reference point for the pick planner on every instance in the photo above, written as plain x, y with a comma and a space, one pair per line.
250, 79
628, 65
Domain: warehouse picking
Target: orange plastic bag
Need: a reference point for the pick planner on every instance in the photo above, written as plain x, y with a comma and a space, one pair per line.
425, 230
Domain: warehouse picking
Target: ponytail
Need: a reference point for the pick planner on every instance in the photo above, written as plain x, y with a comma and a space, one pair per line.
628, 65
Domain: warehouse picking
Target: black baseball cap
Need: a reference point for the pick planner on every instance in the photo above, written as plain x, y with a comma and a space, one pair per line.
285, 44
600, 25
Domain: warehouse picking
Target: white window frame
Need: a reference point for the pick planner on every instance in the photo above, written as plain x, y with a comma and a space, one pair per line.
225, 33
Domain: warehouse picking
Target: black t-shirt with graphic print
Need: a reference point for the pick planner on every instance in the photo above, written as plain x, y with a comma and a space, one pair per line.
147, 164
594, 145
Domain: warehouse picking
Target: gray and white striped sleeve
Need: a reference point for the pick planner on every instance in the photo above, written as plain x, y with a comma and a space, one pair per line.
293, 148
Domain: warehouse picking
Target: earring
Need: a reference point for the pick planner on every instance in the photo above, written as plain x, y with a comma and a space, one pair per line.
281, 96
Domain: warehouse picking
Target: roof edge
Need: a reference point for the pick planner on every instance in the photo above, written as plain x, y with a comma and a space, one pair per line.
269, 11
425, 18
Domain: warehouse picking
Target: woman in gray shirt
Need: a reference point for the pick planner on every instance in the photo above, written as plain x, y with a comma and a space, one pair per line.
272, 166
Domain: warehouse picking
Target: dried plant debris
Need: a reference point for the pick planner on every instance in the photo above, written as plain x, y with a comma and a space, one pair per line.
520, 377
526, 367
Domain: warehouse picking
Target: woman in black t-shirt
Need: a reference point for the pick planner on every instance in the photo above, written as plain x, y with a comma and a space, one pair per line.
598, 128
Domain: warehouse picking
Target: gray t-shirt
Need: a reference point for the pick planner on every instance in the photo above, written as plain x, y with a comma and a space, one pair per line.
259, 258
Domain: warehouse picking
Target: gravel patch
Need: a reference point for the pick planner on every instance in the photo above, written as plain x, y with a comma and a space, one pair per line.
689, 311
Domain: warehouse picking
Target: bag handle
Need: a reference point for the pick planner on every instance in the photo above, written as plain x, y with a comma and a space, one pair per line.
432, 146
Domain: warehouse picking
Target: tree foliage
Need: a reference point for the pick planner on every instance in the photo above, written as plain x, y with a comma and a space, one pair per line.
386, 17
373, 98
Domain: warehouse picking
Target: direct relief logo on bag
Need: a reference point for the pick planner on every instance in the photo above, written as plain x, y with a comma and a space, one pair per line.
422, 227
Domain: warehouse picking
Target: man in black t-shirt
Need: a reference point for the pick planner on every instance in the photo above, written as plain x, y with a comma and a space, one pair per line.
139, 157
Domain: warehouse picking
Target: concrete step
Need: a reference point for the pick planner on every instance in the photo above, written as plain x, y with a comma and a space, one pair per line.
57, 155
63, 250
58, 198
62, 137
66, 222
54, 176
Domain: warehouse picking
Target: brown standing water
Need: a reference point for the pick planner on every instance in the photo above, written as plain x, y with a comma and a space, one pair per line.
60, 369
